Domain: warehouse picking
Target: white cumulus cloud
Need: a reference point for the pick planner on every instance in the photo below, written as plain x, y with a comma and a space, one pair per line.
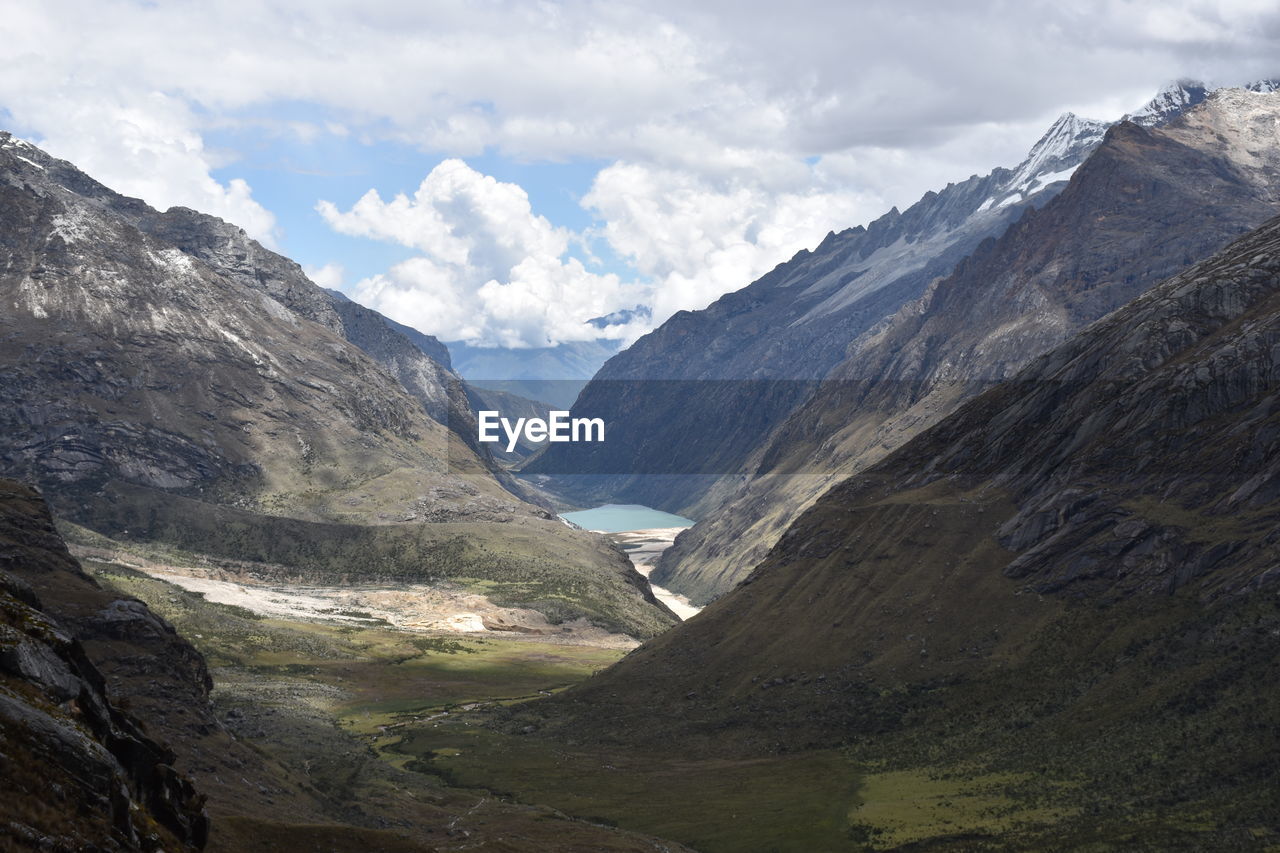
491, 270
698, 238
330, 275
142, 144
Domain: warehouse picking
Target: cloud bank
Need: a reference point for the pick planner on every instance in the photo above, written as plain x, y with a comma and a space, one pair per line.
729, 135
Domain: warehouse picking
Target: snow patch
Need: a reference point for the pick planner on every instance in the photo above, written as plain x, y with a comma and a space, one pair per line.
73, 226
276, 310
239, 342
33, 296
173, 260
1044, 180
1064, 147
19, 142
1171, 100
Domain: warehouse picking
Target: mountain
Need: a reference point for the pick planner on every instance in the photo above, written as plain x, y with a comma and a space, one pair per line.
1175, 98
173, 385
758, 352
510, 406
1067, 587
1181, 95
1146, 203
430, 346
552, 375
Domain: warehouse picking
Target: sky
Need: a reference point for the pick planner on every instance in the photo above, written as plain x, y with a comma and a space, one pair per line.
504, 172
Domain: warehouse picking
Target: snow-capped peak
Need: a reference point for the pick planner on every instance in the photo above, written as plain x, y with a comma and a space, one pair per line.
1066, 139
1063, 147
8, 140
1071, 139
1179, 96
1174, 99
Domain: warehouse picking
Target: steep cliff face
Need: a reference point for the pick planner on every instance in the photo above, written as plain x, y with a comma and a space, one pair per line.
1144, 205
161, 376
756, 353
1074, 576
78, 771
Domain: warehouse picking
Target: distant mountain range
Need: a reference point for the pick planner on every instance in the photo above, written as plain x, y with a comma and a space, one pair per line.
553, 375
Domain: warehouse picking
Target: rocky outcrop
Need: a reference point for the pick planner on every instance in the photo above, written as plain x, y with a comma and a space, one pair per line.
126, 355
421, 364
79, 772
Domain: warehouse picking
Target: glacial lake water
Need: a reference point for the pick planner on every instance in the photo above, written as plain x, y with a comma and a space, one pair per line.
619, 518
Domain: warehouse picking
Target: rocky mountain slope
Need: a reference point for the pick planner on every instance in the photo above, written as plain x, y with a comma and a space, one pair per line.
1145, 204
1070, 581
161, 375
759, 352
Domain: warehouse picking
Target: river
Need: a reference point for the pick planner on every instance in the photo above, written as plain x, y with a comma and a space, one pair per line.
644, 533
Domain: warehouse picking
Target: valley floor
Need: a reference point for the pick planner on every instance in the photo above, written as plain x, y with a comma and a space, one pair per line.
451, 608
422, 735
406, 712
323, 697
379, 719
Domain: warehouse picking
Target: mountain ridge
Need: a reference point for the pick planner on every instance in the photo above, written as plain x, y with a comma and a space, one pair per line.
794, 323
1135, 212
788, 328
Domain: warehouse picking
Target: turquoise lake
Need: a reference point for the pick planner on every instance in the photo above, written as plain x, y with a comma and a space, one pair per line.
616, 518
